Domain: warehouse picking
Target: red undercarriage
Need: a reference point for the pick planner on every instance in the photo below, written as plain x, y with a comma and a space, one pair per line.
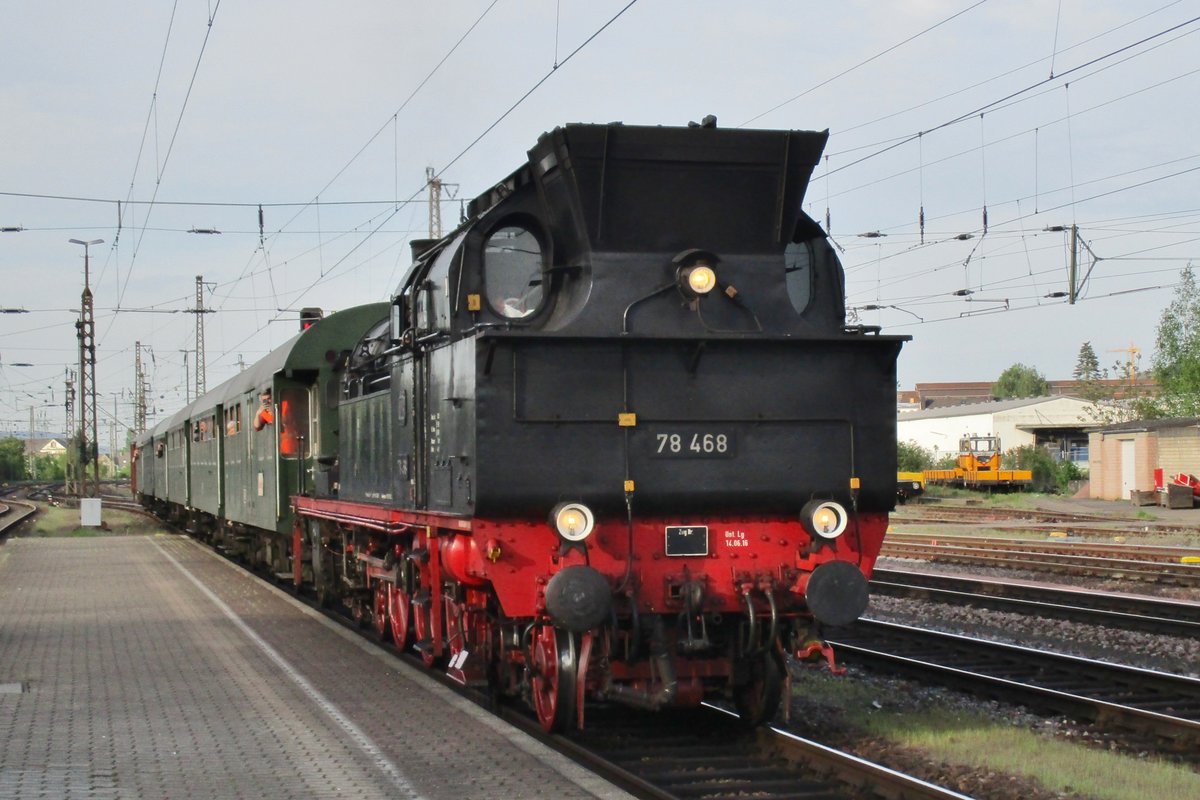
462, 588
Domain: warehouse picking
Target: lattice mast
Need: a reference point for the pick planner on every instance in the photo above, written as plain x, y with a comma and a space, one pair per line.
72, 483
88, 438
435, 203
139, 391
201, 376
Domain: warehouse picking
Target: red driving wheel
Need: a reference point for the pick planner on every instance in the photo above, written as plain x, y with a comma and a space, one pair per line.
379, 611
553, 666
399, 612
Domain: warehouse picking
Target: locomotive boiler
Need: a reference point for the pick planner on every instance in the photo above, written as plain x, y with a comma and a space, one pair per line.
615, 442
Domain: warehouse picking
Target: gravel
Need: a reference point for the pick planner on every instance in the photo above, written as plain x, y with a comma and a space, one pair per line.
1177, 655
812, 717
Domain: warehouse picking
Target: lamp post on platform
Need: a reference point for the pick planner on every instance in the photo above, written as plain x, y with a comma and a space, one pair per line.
86, 328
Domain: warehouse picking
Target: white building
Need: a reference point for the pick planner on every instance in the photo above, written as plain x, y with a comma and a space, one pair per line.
1055, 421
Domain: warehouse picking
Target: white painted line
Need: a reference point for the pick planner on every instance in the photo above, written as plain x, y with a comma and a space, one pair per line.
356, 734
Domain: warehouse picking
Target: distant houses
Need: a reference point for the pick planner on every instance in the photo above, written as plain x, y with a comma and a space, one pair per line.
1121, 458
53, 447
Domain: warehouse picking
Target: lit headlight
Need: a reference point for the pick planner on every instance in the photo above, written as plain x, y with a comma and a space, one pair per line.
700, 279
825, 518
572, 521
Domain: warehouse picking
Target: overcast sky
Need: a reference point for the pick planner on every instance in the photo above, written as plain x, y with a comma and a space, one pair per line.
137, 122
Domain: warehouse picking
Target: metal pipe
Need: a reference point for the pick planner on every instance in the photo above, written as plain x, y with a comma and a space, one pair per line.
651, 699
752, 634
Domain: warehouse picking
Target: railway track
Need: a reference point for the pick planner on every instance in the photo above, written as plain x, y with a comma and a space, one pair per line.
697, 754
995, 517
703, 754
1126, 612
15, 512
1127, 699
1125, 562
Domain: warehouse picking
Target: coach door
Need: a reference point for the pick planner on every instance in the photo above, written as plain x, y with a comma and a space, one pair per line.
408, 380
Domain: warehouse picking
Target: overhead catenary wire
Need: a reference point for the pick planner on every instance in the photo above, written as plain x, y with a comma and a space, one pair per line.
167, 157
1022, 240
342, 260
1011, 95
862, 63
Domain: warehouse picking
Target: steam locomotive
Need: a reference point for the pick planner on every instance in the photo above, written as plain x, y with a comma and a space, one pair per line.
611, 441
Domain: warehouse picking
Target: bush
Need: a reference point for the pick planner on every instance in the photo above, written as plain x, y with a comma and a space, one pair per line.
1048, 475
911, 457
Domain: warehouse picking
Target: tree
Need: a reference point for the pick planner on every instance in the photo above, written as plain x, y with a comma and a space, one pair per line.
1176, 363
1020, 381
1089, 385
911, 457
1087, 366
12, 460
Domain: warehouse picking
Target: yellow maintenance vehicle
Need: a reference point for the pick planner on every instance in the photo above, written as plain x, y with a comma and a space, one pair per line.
909, 484
978, 467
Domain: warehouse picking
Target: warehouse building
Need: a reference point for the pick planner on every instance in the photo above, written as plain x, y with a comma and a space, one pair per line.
1057, 423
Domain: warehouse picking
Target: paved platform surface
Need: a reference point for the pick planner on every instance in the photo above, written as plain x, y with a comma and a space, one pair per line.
148, 667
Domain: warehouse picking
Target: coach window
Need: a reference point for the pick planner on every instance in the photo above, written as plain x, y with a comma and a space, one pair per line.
797, 270
512, 271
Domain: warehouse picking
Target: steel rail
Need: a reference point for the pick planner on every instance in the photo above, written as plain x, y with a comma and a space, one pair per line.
1169, 554
704, 753
1159, 572
1123, 611
1092, 523
18, 511
1158, 704
764, 763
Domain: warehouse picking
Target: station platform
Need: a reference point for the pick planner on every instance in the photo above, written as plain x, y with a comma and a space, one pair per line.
149, 667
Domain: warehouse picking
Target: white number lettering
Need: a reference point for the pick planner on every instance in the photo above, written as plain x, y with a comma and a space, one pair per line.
698, 443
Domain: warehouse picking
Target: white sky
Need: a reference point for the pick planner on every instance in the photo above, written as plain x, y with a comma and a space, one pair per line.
297, 100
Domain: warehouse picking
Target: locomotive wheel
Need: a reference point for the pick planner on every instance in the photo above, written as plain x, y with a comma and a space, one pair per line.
553, 664
757, 699
399, 613
379, 611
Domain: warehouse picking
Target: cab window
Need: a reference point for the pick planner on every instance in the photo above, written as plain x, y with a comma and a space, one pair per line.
798, 272
512, 272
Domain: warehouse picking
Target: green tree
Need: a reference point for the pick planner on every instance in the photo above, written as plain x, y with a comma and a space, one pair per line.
911, 457
1020, 381
52, 468
1176, 362
1087, 366
12, 460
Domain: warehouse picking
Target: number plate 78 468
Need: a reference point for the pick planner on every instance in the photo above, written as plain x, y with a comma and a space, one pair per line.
693, 443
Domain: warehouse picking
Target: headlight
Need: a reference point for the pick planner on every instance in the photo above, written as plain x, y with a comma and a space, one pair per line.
700, 279
572, 521
825, 518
